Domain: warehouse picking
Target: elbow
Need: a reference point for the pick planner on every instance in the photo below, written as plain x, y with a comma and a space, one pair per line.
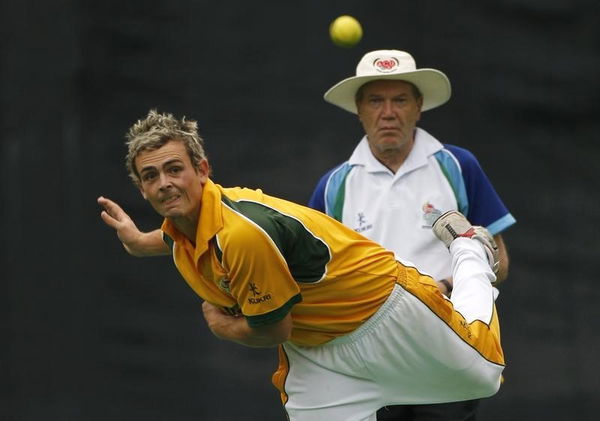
271, 342
273, 335
274, 339
282, 338
265, 341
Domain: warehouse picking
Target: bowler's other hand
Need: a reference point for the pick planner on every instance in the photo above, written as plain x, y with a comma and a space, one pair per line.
218, 320
236, 328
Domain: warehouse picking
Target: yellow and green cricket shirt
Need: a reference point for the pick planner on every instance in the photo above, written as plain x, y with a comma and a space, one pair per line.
263, 257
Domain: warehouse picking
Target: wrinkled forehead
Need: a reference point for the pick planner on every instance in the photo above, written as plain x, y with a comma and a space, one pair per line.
397, 86
156, 157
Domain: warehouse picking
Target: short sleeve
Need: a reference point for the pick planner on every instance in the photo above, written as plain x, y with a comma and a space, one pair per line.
260, 280
485, 207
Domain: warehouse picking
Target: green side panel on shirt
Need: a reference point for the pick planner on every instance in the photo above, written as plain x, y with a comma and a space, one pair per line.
168, 241
218, 250
306, 255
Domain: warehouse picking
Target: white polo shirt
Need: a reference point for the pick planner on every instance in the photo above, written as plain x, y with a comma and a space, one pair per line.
397, 210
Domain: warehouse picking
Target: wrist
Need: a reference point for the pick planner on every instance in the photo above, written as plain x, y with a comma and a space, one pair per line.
134, 246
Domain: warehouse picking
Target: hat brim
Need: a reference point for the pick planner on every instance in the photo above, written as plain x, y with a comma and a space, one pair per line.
433, 84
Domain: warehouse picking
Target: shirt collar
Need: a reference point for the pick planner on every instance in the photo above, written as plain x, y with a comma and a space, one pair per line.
210, 220
425, 145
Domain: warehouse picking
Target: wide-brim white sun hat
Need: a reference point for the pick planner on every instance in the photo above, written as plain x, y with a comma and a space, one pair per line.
391, 65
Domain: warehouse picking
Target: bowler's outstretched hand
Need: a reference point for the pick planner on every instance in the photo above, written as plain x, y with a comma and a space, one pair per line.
136, 243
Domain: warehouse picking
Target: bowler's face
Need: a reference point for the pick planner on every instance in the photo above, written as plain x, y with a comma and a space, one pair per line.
170, 182
389, 112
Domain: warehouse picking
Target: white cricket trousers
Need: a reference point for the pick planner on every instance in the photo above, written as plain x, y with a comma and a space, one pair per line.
414, 350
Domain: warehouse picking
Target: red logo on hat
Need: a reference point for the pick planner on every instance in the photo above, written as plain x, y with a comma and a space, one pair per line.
385, 65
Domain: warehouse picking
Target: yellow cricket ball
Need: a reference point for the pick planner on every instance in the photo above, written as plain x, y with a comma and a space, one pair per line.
345, 31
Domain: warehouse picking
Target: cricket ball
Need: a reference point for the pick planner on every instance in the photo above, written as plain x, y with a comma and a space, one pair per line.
345, 31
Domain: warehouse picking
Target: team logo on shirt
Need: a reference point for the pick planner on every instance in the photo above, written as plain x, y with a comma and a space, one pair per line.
363, 224
430, 214
257, 296
254, 289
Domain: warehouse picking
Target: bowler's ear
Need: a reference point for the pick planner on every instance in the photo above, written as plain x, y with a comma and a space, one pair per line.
139, 186
203, 170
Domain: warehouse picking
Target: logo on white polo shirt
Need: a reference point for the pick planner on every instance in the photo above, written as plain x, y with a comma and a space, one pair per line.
363, 224
430, 214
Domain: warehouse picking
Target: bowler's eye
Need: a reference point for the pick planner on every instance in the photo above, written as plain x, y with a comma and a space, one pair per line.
375, 100
175, 169
148, 176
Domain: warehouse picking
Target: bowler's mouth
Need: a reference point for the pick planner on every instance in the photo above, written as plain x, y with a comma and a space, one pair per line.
170, 200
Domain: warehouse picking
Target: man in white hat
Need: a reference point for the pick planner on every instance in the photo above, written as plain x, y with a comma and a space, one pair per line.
399, 179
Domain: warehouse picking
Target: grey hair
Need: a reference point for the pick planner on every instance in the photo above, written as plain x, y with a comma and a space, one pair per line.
155, 131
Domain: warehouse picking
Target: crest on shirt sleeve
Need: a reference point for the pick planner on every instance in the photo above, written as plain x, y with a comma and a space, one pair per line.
224, 285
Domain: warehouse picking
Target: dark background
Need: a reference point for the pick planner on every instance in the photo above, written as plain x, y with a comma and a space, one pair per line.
90, 333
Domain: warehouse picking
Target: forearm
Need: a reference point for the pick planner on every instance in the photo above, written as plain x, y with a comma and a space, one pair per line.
238, 331
236, 328
445, 285
503, 257
148, 244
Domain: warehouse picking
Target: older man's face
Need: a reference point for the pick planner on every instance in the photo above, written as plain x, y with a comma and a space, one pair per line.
389, 112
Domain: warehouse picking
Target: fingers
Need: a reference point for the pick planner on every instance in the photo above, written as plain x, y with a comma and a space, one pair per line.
111, 207
109, 220
112, 215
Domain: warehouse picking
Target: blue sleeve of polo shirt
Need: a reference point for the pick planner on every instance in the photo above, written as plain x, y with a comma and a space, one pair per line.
317, 200
485, 206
